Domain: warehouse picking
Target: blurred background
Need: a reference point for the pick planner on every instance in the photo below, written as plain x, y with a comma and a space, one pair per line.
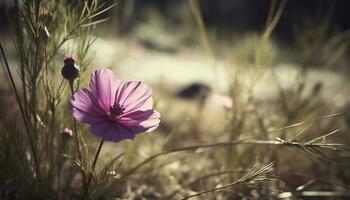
307, 34
231, 69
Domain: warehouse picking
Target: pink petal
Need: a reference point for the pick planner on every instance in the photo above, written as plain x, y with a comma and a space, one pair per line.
85, 107
109, 131
104, 84
152, 122
133, 95
141, 121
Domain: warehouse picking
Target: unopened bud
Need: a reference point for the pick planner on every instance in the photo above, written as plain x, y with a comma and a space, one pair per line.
46, 17
67, 133
66, 136
70, 70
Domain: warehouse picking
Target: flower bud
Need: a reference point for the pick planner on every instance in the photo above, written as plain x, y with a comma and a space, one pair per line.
66, 136
67, 133
46, 16
70, 71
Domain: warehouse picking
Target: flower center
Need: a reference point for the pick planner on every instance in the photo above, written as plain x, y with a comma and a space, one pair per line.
115, 111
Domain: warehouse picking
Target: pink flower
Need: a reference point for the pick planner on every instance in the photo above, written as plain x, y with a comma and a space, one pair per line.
115, 110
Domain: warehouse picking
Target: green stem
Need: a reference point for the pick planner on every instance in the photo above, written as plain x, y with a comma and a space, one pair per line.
86, 192
31, 143
76, 138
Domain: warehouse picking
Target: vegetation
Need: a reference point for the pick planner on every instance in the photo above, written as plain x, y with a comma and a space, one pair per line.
293, 144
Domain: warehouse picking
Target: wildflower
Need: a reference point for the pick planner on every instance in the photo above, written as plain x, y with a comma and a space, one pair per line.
70, 70
115, 110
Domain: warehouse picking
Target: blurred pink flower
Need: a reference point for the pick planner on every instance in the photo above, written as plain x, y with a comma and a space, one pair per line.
115, 110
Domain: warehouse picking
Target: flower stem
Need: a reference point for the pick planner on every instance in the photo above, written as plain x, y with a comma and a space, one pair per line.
86, 192
76, 138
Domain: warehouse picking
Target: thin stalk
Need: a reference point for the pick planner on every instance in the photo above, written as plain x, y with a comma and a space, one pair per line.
31, 143
22, 52
255, 173
213, 190
76, 137
49, 140
195, 9
75, 125
86, 192
248, 141
274, 20
189, 148
34, 85
169, 196
272, 9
